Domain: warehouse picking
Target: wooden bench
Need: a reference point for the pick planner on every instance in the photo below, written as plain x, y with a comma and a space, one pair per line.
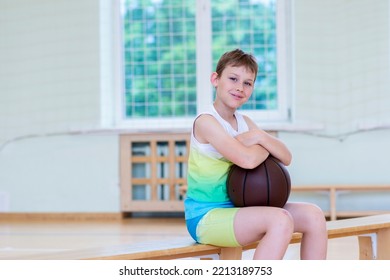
373, 233
335, 190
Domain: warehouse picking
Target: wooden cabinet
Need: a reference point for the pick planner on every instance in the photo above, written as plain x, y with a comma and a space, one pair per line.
153, 168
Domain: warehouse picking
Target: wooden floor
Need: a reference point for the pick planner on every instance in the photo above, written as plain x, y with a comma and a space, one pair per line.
21, 239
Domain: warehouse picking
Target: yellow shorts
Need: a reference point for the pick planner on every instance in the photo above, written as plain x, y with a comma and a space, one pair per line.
217, 228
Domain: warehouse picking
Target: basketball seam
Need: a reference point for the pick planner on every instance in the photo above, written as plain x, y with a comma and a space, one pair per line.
266, 172
228, 181
244, 187
284, 176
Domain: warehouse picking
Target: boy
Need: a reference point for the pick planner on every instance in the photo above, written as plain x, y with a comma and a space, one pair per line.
223, 137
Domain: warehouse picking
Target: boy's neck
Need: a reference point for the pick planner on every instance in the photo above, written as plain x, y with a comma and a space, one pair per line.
226, 113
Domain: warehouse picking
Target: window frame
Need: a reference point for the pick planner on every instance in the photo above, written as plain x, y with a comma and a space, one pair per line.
204, 69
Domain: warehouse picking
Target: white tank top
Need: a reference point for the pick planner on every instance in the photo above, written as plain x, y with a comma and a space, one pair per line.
242, 126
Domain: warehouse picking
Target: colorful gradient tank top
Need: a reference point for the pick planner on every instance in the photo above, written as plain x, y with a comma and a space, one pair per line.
207, 168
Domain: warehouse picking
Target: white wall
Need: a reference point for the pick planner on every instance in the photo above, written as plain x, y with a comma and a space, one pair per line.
342, 82
50, 66
63, 173
342, 70
57, 85
342, 56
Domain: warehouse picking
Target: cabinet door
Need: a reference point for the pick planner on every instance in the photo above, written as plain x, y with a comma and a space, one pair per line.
153, 168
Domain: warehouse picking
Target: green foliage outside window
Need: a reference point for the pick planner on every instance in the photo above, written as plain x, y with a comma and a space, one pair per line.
160, 52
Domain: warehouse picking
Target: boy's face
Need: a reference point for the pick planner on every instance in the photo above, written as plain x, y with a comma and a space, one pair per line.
235, 85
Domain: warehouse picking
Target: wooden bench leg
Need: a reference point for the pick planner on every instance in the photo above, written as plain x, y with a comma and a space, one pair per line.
366, 248
383, 244
375, 246
231, 253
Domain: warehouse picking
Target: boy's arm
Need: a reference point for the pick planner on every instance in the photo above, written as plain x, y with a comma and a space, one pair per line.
273, 145
208, 130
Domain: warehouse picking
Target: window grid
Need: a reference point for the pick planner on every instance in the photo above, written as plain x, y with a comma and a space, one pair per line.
159, 77
254, 31
160, 55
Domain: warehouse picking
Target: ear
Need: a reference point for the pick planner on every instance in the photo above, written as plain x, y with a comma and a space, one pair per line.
214, 79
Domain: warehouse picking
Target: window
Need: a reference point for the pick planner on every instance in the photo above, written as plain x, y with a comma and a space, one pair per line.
170, 48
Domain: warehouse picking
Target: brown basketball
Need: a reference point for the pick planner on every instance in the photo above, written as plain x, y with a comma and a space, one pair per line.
268, 184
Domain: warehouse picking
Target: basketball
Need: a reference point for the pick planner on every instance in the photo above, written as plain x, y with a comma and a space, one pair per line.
268, 184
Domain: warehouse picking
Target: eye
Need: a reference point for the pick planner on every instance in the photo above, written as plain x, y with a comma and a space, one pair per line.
249, 84
234, 79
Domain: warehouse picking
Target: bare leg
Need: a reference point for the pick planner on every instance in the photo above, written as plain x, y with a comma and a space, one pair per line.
310, 221
274, 226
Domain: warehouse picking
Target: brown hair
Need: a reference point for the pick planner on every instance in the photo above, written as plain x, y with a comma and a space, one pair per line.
235, 58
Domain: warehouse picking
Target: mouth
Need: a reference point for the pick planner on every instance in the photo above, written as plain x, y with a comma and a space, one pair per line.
236, 96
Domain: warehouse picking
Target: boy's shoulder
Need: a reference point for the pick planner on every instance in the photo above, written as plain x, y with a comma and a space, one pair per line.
206, 118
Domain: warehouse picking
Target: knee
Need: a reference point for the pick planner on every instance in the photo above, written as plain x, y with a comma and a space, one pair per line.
315, 216
284, 222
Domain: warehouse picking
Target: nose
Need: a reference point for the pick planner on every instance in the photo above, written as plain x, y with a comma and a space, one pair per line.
239, 89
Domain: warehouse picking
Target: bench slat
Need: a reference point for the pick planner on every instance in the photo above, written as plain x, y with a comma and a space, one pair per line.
176, 248
185, 247
358, 226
